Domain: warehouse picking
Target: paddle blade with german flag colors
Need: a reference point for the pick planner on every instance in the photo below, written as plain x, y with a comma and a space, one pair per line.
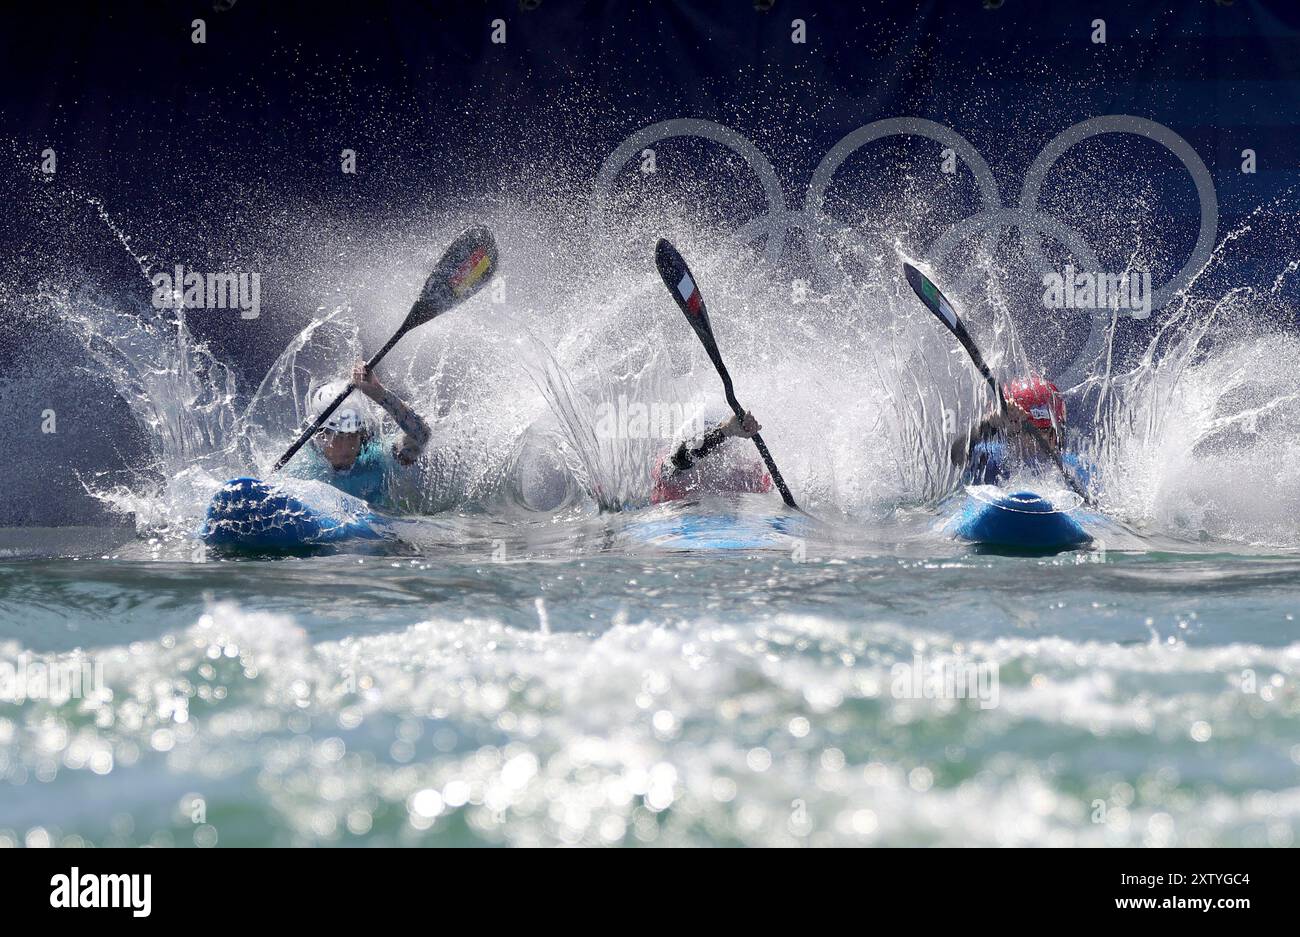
677, 277
464, 269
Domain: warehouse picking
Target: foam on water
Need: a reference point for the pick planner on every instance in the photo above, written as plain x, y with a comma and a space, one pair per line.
782, 730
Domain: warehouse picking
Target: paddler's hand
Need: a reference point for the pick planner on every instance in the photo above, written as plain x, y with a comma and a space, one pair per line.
406, 454
366, 381
744, 429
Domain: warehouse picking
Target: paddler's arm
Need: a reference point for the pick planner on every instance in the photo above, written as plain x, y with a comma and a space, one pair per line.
687, 455
416, 431
959, 450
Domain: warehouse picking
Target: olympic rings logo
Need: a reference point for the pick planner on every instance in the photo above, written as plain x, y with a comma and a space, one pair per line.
993, 218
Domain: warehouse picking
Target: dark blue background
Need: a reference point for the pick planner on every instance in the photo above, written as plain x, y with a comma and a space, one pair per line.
172, 135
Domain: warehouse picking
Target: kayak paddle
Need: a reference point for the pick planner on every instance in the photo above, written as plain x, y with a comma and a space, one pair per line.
677, 277
938, 304
465, 267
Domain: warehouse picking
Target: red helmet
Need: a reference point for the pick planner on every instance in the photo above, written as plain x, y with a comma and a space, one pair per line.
1039, 398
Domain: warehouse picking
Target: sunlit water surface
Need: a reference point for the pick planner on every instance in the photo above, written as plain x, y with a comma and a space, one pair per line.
566, 683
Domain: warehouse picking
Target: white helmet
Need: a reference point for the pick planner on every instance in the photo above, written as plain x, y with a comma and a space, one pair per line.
353, 415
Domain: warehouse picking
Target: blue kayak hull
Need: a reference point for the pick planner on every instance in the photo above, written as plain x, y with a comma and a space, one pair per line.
720, 531
251, 514
1022, 520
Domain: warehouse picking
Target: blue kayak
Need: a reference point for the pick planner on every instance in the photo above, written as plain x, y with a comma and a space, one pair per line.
711, 531
1021, 521
250, 514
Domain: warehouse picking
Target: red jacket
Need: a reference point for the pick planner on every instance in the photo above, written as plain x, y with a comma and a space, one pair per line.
676, 485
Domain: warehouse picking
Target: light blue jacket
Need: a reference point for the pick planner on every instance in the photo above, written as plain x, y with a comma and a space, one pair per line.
369, 478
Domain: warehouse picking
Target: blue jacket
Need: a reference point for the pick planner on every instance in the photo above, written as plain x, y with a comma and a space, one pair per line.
989, 464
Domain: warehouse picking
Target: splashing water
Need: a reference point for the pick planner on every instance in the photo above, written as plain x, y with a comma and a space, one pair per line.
572, 390
182, 397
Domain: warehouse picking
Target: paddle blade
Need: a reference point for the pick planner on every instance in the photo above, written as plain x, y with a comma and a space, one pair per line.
677, 277
933, 299
944, 311
464, 269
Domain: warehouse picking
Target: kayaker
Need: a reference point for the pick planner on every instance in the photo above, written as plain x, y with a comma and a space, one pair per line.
348, 451
710, 463
1002, 444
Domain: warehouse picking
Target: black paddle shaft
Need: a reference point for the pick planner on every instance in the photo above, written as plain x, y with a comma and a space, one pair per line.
767, 456
681, 283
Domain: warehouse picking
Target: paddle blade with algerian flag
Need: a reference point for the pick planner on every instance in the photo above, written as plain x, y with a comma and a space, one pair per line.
937, 303
934, 300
